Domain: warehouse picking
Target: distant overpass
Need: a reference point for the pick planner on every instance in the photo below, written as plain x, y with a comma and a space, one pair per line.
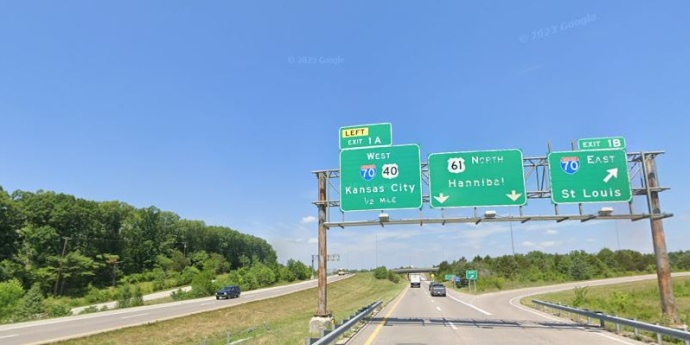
416, 270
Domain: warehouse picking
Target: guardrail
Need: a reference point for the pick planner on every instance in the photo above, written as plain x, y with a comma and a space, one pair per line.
330, 335
619, 321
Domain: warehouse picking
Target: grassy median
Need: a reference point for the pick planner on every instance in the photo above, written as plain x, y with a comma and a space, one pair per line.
281, 320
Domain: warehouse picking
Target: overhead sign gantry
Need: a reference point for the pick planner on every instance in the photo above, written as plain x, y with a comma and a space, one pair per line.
375, 175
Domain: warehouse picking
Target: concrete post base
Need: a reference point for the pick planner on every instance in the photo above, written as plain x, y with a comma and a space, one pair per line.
319, 323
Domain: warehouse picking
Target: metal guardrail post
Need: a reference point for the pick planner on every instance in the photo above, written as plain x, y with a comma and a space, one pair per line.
601, 321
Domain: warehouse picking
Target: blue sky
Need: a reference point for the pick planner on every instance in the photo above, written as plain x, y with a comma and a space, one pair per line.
220, 111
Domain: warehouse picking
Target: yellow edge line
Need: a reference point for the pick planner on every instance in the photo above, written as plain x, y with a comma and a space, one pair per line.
385, 318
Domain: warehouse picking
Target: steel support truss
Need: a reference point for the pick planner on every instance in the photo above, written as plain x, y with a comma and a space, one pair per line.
537, 187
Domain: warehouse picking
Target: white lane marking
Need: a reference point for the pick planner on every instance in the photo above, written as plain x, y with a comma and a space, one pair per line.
9, 336
452, 325
471, 306
616, 339
129, 317
519, 306
207, 303
438, 308
546, 316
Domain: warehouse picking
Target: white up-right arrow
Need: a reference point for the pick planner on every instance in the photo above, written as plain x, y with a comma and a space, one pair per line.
612, 173
441, 198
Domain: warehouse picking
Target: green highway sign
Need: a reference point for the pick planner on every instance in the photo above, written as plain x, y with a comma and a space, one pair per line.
476, 178
471, 275
601, 143
378, 134
448, 277
589, 176
380, 178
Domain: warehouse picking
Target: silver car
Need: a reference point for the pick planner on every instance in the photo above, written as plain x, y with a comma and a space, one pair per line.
438, 290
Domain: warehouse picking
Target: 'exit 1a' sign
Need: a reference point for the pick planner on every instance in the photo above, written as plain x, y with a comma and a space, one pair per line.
377, 134
601, 143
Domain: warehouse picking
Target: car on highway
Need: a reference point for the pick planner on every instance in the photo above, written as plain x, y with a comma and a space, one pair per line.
228, 292
432, 284
438, 289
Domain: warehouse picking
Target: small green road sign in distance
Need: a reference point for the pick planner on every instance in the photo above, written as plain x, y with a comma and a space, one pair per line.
380, 178
471, 275
477, 178
589, 176
601, 143
378, 134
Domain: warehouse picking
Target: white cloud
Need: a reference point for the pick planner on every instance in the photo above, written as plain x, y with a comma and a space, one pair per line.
308, 219
398, 234
313, 240
546, 244
551, 232
542, 226
541, 245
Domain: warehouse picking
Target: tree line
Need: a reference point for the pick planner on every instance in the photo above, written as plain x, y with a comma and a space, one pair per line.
537, 266
68, 245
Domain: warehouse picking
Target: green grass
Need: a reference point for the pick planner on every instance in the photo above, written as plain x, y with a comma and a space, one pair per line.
635, 300
146, 288
281, 320
493, 284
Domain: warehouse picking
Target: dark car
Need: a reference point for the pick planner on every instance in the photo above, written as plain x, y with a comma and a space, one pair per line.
438, 290
228, 292
432, 284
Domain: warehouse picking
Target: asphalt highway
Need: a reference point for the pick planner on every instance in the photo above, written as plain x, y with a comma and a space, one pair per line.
45, 331
415, 317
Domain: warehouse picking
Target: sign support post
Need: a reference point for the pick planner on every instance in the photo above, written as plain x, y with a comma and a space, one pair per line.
663, 267
322, 319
